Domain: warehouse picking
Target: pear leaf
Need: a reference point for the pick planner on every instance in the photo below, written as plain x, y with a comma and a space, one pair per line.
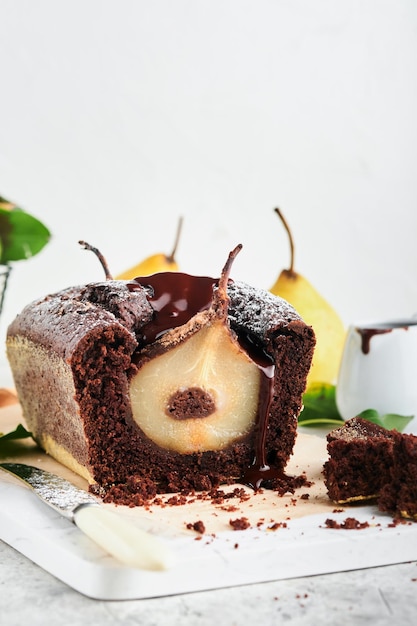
320, 406
21, 235
20, 432
320, 409
388, 421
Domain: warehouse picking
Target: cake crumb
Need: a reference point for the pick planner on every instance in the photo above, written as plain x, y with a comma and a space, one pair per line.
288, 484
241, 523
232, 508
197, 526
277, 525
350, 523
398, 520
177, 500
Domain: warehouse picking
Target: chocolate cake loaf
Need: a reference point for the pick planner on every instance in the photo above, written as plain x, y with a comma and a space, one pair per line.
163, 383
368, 462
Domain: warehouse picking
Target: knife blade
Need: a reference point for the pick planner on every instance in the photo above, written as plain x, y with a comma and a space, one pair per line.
123, 540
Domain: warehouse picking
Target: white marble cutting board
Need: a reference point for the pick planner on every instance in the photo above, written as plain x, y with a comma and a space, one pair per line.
300, 545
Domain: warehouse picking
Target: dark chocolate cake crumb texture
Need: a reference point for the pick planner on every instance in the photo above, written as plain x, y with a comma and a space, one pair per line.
369, 462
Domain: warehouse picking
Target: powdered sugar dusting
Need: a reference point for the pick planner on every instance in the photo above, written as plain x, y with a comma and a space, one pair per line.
259, 310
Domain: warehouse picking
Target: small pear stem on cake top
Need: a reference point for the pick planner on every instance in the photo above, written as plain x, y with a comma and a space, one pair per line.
100, 257
220, 298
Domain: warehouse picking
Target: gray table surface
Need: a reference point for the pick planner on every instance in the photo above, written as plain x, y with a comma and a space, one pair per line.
383, 595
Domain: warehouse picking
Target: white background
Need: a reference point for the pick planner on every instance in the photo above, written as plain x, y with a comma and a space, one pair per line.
119, 116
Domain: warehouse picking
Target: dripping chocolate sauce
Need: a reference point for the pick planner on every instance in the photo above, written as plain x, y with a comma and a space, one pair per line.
367, 334
176, 298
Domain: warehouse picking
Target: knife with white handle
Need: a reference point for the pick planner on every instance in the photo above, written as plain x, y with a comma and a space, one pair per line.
123, 540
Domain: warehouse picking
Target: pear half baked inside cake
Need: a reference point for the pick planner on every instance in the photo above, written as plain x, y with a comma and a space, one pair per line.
196, 388
165, 382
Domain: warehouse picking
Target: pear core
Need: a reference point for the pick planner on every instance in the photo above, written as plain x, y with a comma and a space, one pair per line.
212, 363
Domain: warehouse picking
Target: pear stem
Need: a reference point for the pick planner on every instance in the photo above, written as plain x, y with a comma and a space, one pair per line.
171, 257
220, 298
290, 238
100, 257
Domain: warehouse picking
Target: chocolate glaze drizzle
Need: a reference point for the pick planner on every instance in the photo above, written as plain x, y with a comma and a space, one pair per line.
176, 297
259, 471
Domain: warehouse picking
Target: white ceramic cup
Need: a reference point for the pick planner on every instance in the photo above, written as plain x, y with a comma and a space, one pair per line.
378, 370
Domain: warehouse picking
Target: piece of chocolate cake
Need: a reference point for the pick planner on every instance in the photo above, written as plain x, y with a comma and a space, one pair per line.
399, 495
163, 383
360, 460
369, 462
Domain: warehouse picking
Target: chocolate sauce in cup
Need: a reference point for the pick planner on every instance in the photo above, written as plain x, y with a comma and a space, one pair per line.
378, 370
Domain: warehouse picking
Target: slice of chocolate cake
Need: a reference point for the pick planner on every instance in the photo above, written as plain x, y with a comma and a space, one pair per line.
399, 495
368, 462
163, 383
360, 460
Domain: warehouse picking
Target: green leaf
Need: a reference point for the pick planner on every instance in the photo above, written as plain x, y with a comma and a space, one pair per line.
19, 433
388, 421
320, 406
320, 421
21, 235
320, 409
